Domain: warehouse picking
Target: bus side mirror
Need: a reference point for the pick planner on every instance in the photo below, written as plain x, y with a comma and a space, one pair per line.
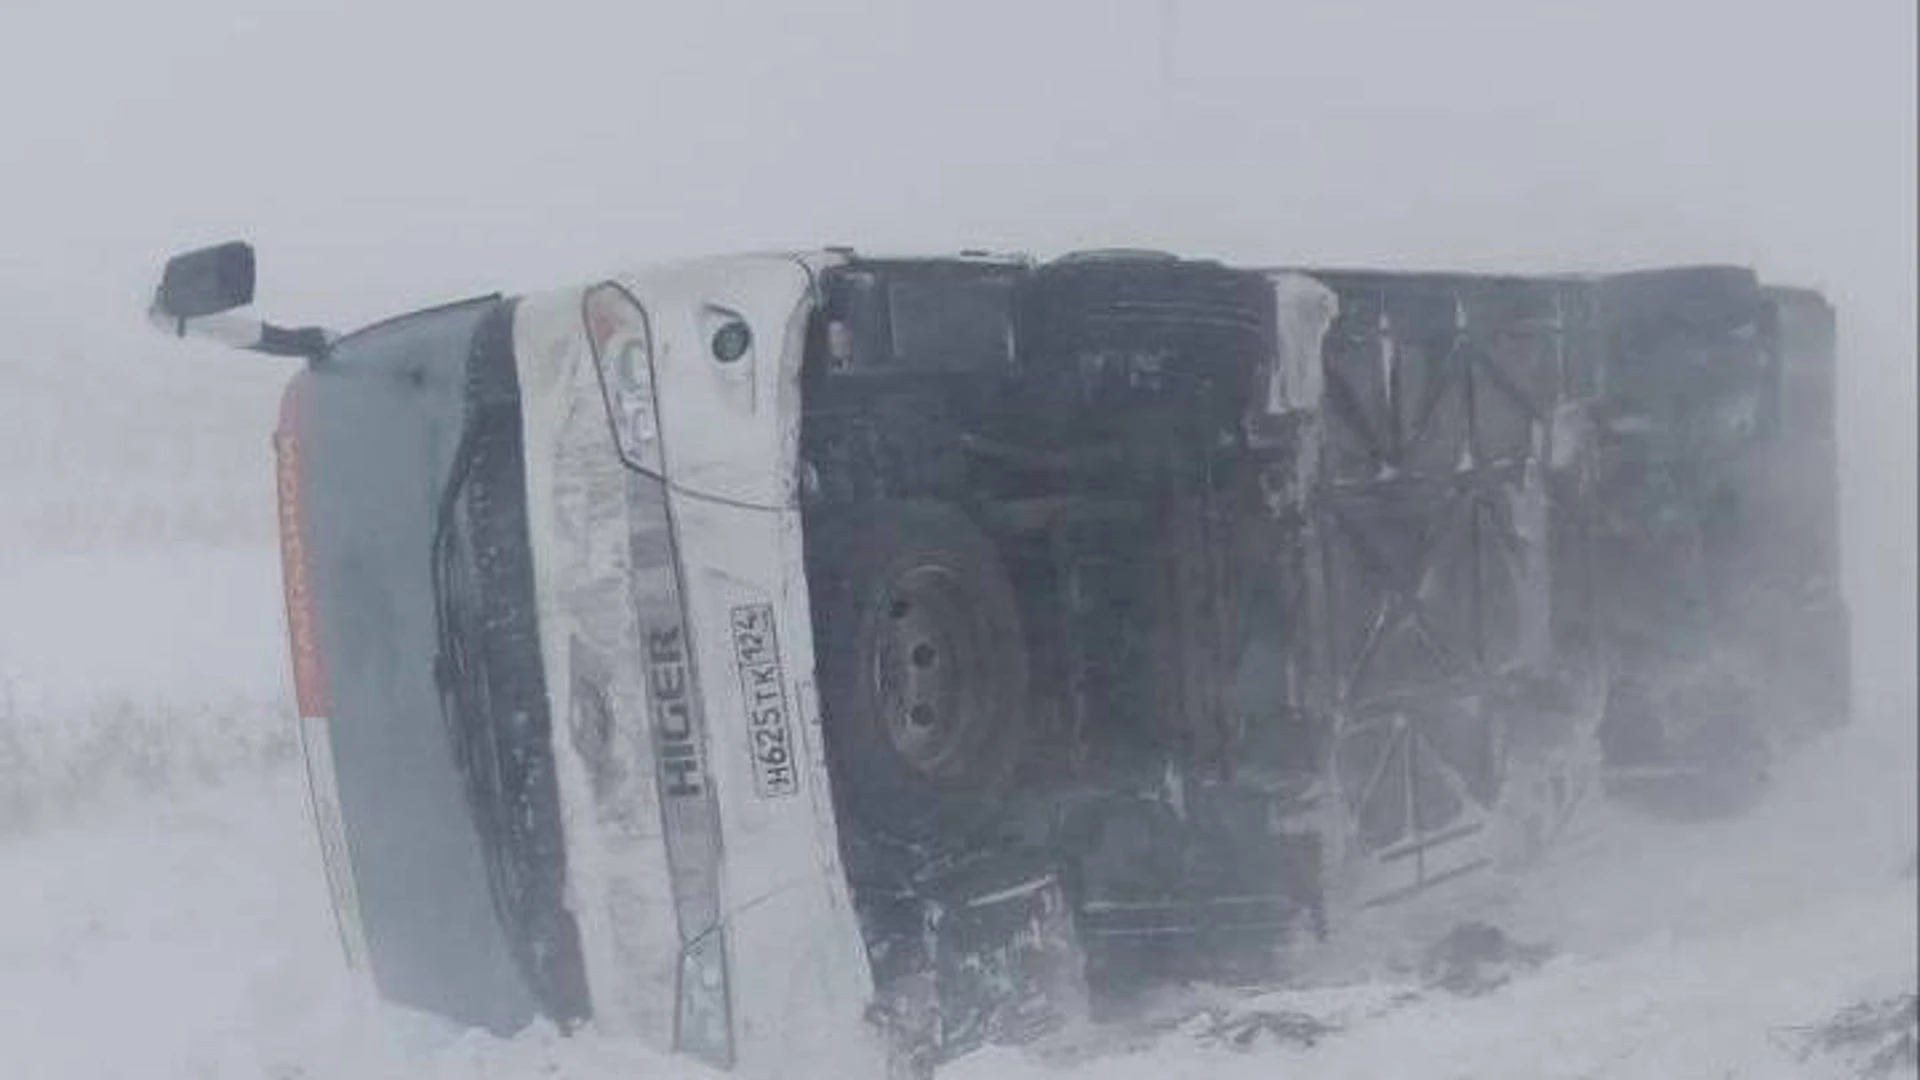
206, 282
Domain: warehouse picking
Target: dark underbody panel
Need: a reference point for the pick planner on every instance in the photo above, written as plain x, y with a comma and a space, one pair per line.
1275, 658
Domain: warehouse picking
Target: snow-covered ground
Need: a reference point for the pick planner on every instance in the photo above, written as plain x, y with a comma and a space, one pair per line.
172, 921
1680, 951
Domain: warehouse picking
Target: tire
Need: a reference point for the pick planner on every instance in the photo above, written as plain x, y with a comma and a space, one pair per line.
924, 671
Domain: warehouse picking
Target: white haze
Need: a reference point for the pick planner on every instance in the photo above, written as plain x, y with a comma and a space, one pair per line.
384, 155
387, 155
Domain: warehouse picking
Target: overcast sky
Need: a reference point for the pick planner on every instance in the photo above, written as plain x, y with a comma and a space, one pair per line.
385, 154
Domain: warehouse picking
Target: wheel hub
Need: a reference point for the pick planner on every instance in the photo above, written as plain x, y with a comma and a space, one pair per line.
927, 671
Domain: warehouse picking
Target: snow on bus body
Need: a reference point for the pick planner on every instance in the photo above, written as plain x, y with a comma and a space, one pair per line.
703, 859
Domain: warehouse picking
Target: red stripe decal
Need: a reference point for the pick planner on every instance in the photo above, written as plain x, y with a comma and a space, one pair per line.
309, 684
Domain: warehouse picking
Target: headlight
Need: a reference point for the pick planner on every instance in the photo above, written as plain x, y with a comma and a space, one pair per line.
622, 346
731, 341
705, 1022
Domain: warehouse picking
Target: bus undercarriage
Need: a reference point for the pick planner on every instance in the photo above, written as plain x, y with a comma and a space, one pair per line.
757, 653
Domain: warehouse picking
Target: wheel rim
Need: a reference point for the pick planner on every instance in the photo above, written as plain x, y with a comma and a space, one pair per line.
929, 673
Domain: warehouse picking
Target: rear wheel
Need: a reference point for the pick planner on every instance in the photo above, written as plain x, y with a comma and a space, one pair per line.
924, 670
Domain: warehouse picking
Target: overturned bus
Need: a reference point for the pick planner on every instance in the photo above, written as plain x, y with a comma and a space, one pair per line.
826, 663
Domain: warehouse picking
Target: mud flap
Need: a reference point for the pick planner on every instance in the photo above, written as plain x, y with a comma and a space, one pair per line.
983, 953
1219, 893
1694, 752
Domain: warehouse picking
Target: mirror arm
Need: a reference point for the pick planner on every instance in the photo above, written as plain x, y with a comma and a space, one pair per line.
241, 332
307, 342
